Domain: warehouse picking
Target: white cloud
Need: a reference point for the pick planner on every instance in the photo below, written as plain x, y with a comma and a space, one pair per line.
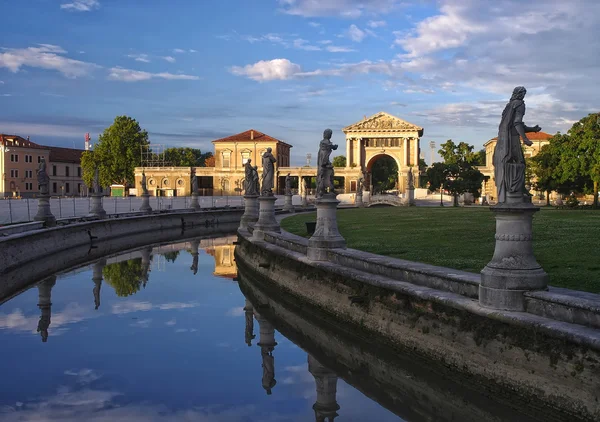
81, 5
268, 70
44, 56
338, 49
178, 50
376, 24
355, 33
139, 57
129, 75
235, 312
170, 59
325, 42
337, 8
314, 24
191, 50
1, 82
171, 322
301, 44
6, 95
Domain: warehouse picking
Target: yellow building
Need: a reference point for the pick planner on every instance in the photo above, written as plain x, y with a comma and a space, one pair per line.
19, 161
539, 139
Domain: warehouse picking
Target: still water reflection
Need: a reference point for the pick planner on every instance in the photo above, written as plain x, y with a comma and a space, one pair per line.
161, 333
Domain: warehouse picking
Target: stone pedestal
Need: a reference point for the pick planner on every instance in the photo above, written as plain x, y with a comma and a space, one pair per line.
326, 406
326, 235
250, 211
266, 218
410, 197
96, 209
195, 205
359, 201
288, 205
146, 203
513, 269
44, 213
304, 201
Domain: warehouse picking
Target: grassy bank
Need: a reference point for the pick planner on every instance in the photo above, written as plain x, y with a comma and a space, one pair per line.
566, 242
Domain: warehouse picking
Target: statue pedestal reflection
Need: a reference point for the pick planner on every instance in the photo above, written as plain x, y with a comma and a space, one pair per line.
267, 345
326, 406
45, 305
97, 279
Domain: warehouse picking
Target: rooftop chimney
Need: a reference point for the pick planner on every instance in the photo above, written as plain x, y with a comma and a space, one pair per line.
251, 134
28, 138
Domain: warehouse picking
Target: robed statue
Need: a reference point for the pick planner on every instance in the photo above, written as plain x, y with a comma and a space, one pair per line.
360, 184
508, 159
144, 184
288, 184
324, 166
249, 183
255, 180
268, 365
268, 175
410, 179
194, 182
96, 182
42, 176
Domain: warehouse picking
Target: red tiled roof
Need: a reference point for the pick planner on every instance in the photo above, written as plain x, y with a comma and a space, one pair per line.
15, 140
534, 136
250, 136
65, 155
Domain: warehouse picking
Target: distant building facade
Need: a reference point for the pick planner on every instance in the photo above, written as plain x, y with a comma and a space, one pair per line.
19, 161
64, 169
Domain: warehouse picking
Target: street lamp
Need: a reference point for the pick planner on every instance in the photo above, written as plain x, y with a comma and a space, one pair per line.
432, 146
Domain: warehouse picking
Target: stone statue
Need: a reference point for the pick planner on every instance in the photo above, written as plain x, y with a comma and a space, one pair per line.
410, 179
324, 166
268, 379
288, 184
255, 180
360, 184
305, 186
97, 188
268, 175
508, 159
248, 184
144, 184
42, 176
194, 182
249, 332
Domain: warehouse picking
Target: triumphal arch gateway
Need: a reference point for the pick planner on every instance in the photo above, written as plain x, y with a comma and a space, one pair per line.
366, 141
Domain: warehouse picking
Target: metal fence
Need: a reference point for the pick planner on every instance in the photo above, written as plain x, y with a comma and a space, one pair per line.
24, 210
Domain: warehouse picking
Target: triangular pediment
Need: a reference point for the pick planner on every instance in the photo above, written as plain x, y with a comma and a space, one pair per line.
382, 122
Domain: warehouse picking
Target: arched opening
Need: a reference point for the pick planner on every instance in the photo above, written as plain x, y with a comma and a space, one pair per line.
382, 174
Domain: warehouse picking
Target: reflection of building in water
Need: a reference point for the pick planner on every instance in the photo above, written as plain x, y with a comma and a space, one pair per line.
97, 279
326, 406
267, 344
249, 313
224, 262
194, 251
45, 305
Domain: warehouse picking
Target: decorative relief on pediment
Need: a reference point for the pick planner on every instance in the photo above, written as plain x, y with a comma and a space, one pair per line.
383, 121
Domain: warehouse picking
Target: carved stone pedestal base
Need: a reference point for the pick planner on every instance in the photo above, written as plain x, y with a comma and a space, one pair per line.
288, 206
44, 213
96, 209
513, 269
304, 201
359, 201
195, 205
266, 218
250, 211
410, 197
326, 234
146, 203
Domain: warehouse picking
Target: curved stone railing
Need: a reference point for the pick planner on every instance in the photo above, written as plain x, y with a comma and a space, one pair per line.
385, 200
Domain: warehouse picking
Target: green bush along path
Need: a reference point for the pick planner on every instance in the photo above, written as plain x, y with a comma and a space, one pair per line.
566, 242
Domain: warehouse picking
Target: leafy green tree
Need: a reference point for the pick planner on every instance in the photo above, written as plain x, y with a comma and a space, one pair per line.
186, 157
423, 180
437, 175
171, 256
384, 174
125, 277
339, 161
116, 154
453, 153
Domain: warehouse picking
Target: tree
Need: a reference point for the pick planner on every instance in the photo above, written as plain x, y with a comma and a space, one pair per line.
186, 157
437, 175
384, 174
125, 277
116, 154
210, 161
171, 256
339, 161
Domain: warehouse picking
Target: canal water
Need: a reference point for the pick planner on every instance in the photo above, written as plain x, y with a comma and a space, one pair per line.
174, 333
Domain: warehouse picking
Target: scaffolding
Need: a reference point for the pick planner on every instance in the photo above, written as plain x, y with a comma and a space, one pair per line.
153, 155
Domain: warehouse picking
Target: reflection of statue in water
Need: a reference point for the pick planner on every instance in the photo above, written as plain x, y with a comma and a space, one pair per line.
288, 184
324, 166
45, 305
194, 251
249, 332
326, 405
508, 159
268, 365
268, 175
144, 184
42, 176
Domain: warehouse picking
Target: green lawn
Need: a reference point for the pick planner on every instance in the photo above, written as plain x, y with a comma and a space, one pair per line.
567, 243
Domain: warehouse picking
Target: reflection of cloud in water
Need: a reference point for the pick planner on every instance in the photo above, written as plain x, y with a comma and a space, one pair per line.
129, 306
84, 376
142, 323
171, 322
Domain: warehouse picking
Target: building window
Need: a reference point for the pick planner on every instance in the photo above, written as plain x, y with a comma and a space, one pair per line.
245, 157
67, 188
39, 159
14, 173
28, 186
79, 188
14, 158
28, 158
67, 171
53, 170
29, 174
78, 171
54, 187
226, 160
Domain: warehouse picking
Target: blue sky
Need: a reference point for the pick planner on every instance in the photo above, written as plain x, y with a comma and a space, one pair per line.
193, 71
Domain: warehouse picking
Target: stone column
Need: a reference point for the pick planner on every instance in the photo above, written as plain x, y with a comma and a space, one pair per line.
266, 218
288, 206
304, 195
513, 269
44, 213
250, 211
97, 279
195, 244
195, 205
146, 203
267, 344
96, 209
326, 406
45, 305
249, 331
326, 235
